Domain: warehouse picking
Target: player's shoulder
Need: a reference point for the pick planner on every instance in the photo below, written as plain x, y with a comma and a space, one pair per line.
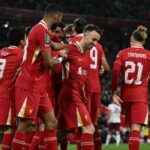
76, 38
39, 27
123, 52
11, 50
72, 46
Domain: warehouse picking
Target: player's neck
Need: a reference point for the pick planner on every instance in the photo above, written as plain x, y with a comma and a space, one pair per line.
47, 22
136, 44
82, 45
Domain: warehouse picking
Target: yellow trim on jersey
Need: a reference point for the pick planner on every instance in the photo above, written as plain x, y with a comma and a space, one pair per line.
146, 118
9, 118
23, 108
67, 68
79, 120
36, 52
84, 93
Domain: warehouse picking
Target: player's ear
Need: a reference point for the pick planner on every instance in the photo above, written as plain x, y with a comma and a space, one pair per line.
22, 43
84, 34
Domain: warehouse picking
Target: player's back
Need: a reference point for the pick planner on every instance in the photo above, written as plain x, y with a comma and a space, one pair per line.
135, 69
10, 63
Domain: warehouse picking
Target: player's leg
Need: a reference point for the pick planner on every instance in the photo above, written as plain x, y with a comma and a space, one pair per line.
38, 138
24, 128
95, 102
83, 117
118, 138
27, 104
137, 114
7, 138
134, 139
108, 137
7, 122
46, 113
87, 137
62, 139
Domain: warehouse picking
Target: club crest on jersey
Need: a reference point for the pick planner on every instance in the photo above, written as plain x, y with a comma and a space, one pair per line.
82, 71
47, 40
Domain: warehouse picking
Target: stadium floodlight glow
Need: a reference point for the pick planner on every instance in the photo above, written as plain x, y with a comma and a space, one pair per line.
6, 25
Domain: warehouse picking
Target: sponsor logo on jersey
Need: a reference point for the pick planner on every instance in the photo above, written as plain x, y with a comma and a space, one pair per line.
47, 40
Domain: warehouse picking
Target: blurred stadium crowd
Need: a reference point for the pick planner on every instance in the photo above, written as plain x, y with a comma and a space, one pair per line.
115, 37
132, 9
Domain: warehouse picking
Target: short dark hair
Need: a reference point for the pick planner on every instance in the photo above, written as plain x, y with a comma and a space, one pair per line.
92, 27
15, 35
79, 24
58, 24
27, 30
68, 28
52, 9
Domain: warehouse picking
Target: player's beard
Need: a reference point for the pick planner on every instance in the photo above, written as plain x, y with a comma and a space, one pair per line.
90, 46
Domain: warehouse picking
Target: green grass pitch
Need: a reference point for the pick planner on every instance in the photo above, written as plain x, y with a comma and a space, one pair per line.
113, 147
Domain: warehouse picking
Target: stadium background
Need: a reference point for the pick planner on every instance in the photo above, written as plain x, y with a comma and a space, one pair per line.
117, 18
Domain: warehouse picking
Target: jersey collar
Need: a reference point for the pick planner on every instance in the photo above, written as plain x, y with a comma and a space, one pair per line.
137, 46
12, 47
79, 47
43, 23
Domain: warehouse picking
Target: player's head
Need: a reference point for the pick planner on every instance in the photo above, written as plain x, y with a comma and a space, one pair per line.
79, 24
53, 12
139, 35
91, 35
57, 28
15, 36
69, 31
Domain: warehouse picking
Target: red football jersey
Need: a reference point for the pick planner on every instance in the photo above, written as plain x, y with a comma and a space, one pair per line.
33, 75
57, 70
10, 63
134, 64
75, 69
95, 55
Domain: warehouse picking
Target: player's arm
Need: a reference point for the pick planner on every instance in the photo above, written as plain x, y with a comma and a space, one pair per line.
49, 61
58, 46
104, 63
115, 78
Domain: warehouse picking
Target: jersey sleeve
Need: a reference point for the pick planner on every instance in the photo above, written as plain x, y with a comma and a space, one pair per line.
44, 40
116, 71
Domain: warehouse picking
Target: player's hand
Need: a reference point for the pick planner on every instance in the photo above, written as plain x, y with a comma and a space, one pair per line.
63, 53
116, 99
102, 70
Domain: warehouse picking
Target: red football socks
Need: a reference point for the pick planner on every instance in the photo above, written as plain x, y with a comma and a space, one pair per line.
28, 139
7, 141
41, 141
87, 141
50, 140
78, 140
134, 140
35, 141
18, 142
97, 139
